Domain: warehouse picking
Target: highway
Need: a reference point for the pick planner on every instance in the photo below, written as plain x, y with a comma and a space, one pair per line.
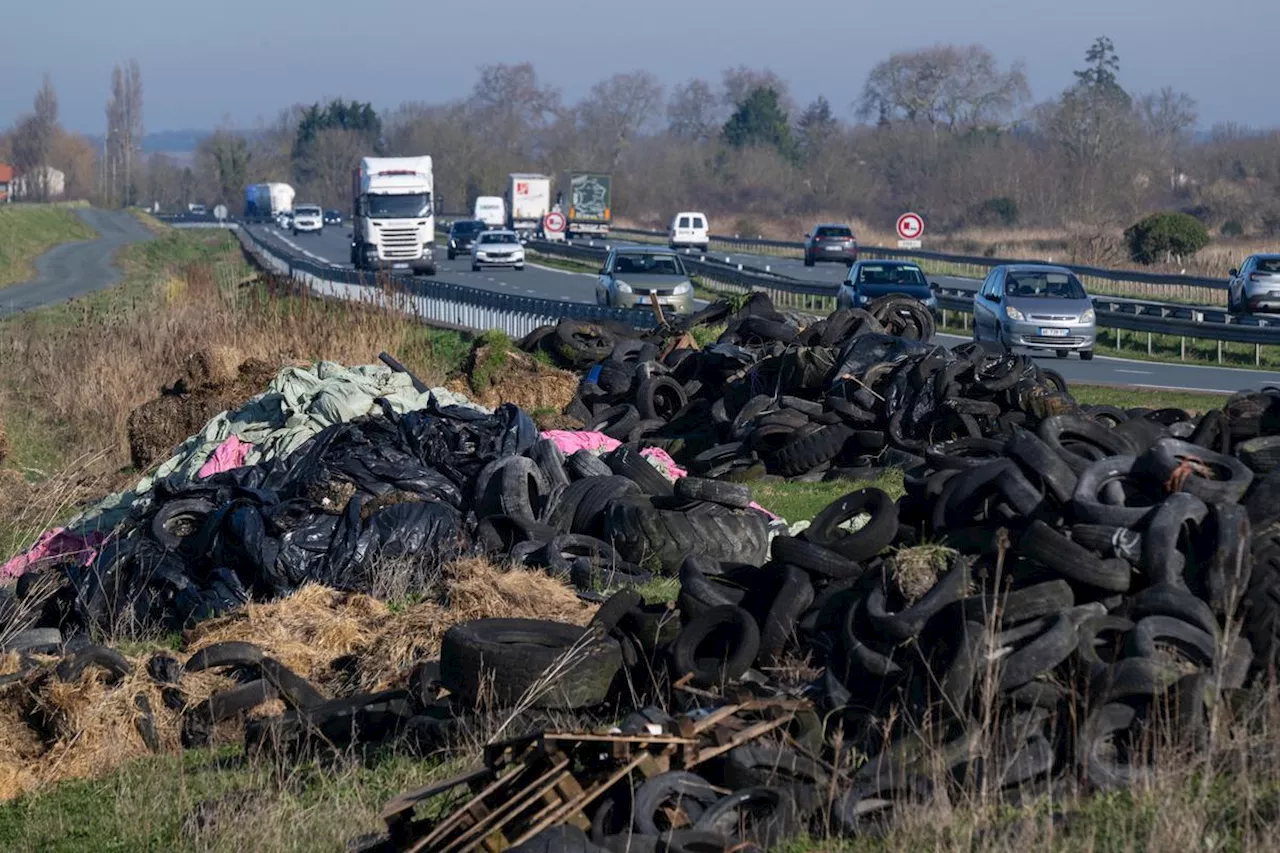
332, 246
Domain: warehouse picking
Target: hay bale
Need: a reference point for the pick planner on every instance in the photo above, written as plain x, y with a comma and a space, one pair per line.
494, 376
158, 426
213, 367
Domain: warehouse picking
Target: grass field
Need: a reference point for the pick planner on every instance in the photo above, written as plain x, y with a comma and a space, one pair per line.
28, 231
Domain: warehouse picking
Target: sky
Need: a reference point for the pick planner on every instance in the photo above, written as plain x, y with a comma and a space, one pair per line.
242, 61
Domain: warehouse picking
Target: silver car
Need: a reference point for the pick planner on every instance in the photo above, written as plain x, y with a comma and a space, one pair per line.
632, 275
1035, 305
1255, 286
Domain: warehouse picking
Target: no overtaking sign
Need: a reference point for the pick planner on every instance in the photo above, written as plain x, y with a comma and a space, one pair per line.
910, 228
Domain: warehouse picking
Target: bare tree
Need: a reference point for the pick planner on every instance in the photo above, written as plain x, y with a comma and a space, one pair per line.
616, 110
33, 140
330, 160
511, 104
124, 133
738, 84
224, 159
943, 85
695, 112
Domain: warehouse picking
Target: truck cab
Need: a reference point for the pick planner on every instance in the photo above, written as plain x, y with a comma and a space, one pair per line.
394, 224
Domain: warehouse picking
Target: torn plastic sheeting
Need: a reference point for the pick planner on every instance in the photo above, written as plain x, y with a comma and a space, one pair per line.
863, 351
228, 455
53, 546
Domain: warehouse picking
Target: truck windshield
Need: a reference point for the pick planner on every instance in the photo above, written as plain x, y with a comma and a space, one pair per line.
400, 206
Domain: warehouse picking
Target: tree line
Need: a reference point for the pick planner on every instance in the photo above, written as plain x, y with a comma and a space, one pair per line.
945, 130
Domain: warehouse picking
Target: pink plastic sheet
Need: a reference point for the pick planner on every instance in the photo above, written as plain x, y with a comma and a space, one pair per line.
230, 454
55, 545
571, 441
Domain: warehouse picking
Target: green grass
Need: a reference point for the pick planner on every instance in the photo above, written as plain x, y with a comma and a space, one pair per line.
28, 231
1128, 398
213, 800
802, 501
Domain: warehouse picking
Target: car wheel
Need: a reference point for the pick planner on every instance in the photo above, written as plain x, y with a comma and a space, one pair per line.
1061, 353
1086, 354
452, 256
475, 268
808, 261
519, 266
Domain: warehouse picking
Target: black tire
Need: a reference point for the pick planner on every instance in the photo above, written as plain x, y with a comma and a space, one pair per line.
230, 653
34, 641
517, 489
807, 452
295, 690
1086, 355
626, 462
1227, 577
1046, 648
813, 558
509, 656
1019, 605
582, 344
719, 645
615, 421
675, 789
70, 668
733, 495
1087, 504
866, 542
660, 397
761, 816
1096, 752
1054, 428
584, 463
1196, 645
640, 531
778, 629
910, 622
1071, 560
1166, 455
177, 520
1039, 462
546, 454
1163, 550
1261, 454
757, 765
964, 452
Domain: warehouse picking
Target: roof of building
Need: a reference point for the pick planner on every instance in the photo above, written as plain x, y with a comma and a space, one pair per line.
6, 173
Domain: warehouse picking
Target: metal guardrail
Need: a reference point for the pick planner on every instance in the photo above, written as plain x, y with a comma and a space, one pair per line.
1121, 315
433, 301
1123, 275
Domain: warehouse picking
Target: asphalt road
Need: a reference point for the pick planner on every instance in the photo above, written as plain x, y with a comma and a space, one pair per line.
74, 269
333, 246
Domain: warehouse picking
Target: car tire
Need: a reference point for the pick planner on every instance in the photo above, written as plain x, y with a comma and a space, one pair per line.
475, 268
519, 267
808, 261
1060, 353
452, 256
1086, 355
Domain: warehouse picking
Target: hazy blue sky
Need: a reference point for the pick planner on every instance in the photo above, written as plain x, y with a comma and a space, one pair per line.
245, 59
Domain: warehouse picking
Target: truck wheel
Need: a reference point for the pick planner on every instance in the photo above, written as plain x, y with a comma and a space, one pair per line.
1086, 354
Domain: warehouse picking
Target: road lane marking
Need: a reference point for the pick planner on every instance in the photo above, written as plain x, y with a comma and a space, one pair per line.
1138, 372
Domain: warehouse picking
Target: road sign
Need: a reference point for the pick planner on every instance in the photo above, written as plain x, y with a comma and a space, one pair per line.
909, 244
910, 226
220, 212
554, 221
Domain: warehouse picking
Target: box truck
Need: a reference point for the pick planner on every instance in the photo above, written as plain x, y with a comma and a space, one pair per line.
589, 203
529, 198
394, 224
264, 202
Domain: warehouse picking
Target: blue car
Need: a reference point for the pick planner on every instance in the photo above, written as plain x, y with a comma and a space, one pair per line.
868, 280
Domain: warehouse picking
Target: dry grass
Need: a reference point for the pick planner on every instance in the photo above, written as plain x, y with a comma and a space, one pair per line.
342, 642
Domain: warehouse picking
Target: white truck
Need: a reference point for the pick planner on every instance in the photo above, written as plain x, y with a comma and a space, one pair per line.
394, 224
530, 197
491, 210
265, 202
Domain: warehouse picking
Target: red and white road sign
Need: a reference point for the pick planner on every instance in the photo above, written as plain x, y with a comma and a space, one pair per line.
910, 226
554, 221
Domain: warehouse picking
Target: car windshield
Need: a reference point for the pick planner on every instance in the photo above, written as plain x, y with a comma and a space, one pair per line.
307, 211
468, 227
1049, 285
834, 231
1268, 264
408, 206
890, 274
641, 263
498, 238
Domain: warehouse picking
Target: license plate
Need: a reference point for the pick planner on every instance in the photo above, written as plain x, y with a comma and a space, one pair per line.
399, 266
1054, 333
834, 248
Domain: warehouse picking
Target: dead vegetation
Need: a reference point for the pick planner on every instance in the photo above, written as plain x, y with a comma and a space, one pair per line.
342, 642
496, 372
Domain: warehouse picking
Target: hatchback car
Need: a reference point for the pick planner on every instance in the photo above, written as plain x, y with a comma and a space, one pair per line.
1035, 305
462, 234
307, 217
868, 280
333, 217
497, 249
830, 243
1255, 286
633, 275
689, 230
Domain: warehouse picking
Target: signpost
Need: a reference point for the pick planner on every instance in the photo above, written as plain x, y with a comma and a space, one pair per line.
910, 229
220, 213
553, 225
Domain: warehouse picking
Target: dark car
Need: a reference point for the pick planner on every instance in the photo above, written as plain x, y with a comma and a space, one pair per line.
462, 234
830, 243
333, 217
868, 280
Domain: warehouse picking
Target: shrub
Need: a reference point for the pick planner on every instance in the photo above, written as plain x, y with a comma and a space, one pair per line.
1161, 235
1232, 228
995, 211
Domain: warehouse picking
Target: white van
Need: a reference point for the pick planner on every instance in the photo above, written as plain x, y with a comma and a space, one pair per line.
491, 210
689, 230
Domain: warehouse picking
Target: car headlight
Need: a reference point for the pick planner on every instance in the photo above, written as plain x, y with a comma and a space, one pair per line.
453, 244
1088, 316
683, 288
1013, 313
623, 287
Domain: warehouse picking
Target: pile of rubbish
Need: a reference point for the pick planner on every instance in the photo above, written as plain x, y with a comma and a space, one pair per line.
1058, 587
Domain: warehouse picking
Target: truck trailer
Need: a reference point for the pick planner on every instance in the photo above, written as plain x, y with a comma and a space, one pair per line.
529, 200
394, 226
590, 204
264, 202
